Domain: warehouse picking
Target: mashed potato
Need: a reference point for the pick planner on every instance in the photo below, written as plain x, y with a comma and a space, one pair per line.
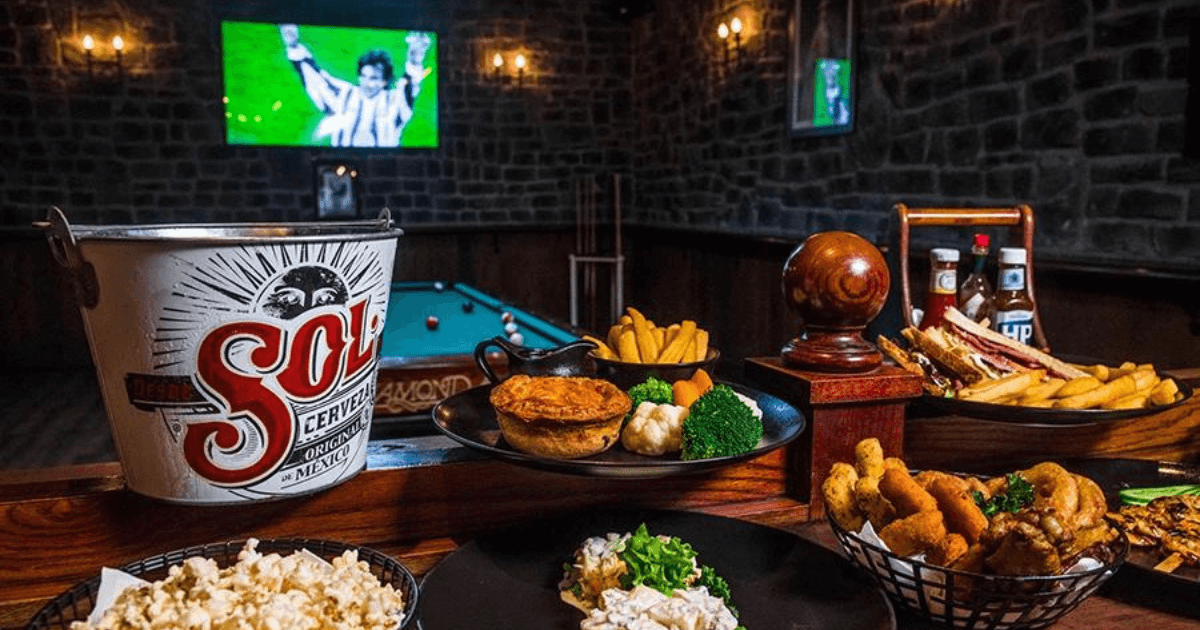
269, 592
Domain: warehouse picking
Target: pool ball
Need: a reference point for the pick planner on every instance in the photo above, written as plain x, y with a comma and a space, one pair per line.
431, 322
516, 338
510, 327
506, 317
439, 287
468, 307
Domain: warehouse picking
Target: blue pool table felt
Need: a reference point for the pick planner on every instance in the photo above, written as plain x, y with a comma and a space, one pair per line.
406, 334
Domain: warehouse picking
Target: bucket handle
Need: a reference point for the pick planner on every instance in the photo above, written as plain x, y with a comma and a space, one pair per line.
66, 252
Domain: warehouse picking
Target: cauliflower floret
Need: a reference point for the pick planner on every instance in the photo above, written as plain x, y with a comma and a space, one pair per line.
654, 429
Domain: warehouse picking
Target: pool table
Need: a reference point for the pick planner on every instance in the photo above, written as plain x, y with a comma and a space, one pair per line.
422, 363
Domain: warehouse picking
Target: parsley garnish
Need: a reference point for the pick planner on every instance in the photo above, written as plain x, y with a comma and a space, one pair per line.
1019, 495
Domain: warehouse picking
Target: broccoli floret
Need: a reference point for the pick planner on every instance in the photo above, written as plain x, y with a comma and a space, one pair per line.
719, 425
653, 389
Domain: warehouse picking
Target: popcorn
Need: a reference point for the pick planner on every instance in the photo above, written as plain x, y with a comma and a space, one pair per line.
300, 591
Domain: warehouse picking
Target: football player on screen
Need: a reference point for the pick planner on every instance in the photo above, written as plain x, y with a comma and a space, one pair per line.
372, 113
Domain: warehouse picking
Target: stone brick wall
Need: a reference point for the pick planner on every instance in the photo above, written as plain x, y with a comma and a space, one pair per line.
1074, 106
148, 146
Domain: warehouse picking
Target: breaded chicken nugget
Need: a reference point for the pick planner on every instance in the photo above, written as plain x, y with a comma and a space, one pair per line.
963, 516
972, 560
898, 487
915, 533
947, 550
840, 502
877, 509
868, 458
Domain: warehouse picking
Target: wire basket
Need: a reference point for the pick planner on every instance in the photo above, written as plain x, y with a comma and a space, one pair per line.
76, 603
975, 601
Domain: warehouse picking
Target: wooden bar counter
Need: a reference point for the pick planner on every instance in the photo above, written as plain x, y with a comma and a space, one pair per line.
421, 497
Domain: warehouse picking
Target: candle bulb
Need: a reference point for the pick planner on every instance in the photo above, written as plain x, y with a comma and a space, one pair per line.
118, 45
88, 45
519, 61
497, 63
723, 33
736, 26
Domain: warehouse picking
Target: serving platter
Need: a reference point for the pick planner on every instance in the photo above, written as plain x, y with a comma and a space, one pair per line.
1045, 415
468, 418
777, 579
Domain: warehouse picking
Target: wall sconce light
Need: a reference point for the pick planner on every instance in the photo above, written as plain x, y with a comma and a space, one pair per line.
519, 62
508, 70
94, 61
735, 28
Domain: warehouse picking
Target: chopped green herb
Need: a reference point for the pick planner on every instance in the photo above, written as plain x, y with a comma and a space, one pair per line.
1019, 495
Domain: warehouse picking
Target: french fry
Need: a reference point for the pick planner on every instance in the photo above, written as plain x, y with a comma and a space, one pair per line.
602, 349
1136, 400
1042, 391
700, 353
674, 352
1078, 386
1112, 390
1145, 379
672, 330
996, 389
1163, 393
1128, 367
627, 347
647, 349
1100, 371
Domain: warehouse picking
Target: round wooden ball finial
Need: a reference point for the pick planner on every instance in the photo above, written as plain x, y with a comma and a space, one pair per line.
836, 282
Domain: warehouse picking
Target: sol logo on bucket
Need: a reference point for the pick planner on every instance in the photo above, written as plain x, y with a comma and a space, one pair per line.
307, 364
264, 366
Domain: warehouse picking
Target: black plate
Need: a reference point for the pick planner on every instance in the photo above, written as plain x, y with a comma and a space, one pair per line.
468, 417
778, 580
1038, 415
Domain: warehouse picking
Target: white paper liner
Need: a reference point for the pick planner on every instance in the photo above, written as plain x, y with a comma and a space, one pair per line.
934, 595
113, 582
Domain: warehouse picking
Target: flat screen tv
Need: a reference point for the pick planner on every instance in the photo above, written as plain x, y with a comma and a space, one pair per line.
329, 86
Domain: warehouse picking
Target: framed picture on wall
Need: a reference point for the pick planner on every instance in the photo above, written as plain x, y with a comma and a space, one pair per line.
335, 188
821, 70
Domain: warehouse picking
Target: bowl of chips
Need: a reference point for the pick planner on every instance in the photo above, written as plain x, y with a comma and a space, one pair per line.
636, 348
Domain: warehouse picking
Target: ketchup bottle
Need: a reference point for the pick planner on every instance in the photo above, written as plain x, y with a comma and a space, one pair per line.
943, 286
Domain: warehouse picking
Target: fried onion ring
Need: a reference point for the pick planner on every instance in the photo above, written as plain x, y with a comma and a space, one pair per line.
1054, 489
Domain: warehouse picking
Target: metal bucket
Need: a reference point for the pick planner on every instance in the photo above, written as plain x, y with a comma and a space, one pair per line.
237, 361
